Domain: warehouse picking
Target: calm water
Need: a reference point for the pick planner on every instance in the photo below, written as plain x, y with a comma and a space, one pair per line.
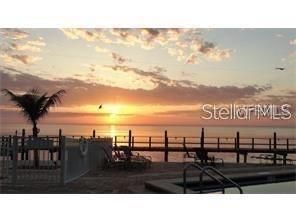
105, 130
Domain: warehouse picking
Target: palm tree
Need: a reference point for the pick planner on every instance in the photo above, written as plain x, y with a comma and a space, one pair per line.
34, 106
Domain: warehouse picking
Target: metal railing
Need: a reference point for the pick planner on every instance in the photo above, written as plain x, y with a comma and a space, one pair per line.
205, 170
49, 159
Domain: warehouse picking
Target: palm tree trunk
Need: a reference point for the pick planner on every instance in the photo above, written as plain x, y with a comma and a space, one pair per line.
36, 154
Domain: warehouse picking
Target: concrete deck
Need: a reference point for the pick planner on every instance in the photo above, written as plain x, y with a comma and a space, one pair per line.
111, 181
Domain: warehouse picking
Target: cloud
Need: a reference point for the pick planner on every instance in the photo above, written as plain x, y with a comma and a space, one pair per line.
146, 38
33, 46
155, 75
118, 59
186, 45
208, 50
162, 94
192, 59
14, 34
22, 59
19, 48
88, 35
293, 42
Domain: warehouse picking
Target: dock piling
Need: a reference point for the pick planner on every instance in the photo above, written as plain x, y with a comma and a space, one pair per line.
218, 143
237, 147
274, 147
133, 141
166, 146
202, 138
60, 145
129, 138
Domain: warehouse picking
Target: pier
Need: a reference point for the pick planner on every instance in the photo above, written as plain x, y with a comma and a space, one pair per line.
241, 146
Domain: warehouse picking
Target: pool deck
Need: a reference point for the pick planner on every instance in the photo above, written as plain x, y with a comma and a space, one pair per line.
122, 181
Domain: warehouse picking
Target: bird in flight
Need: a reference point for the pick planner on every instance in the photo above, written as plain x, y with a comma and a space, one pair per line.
101, 106
280, 68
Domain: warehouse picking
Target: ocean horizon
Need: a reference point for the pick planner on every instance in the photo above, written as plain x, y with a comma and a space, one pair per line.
150, 130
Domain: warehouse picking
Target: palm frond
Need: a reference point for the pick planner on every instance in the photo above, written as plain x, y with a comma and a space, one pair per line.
53, 100
32, 104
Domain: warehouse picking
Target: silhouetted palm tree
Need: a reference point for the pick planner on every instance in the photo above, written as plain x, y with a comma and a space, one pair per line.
34, 106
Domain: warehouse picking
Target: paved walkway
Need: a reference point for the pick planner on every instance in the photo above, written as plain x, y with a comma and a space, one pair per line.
125, 181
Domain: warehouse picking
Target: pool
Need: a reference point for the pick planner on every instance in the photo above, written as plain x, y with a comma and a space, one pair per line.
260, 181
272, 188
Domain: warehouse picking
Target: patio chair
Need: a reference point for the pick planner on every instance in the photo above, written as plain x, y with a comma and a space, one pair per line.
137, 160
112, 161
201, 156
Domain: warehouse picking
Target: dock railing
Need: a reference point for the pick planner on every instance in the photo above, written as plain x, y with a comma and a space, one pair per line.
241, 146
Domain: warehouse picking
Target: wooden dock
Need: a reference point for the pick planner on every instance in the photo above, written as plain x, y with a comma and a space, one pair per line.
239, 145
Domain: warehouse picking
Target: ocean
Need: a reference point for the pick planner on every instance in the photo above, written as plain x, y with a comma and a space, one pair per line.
150, 130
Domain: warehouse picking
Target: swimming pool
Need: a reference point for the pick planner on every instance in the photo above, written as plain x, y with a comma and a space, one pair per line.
262, 181
271, 188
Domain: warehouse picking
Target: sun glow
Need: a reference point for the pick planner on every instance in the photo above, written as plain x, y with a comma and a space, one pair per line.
114, 111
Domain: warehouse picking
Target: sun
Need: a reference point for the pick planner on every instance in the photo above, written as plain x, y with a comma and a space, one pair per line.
114, 111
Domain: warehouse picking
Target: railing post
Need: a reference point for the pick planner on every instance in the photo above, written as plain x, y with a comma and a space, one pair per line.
115, 141
94, 134
149, 142
269, 143
129, 138
10, 145
14, 159
133, 141
274, 147
202, 138
9, 141
287, 144
23, 144
59, 151
166, 152
253, 143
285, 159
62, 148
218, 143
245, 157
237, 147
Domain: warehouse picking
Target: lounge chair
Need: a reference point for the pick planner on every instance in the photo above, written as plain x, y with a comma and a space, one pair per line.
112, 161
127, 159
138, 159
201, 156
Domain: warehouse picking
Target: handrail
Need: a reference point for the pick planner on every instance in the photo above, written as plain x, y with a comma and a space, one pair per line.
204, 170
200, 168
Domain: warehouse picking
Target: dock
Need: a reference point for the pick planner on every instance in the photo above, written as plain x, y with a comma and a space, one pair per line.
241, 146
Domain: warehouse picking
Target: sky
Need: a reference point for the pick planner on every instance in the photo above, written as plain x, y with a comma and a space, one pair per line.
148, 76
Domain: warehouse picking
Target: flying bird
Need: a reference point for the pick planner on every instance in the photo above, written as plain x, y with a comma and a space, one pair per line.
280, 68
101, 106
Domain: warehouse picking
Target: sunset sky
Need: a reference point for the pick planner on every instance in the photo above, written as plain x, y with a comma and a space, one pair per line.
148, 76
